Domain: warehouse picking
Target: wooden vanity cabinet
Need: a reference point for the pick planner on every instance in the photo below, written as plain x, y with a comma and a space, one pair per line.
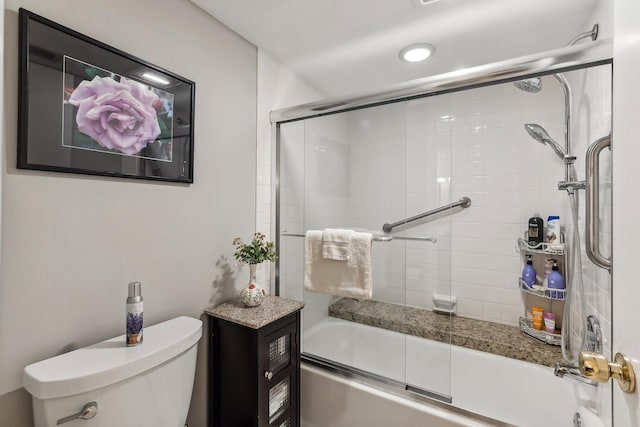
254, 374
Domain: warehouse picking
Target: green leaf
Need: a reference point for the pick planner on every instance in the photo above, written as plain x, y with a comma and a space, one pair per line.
164, 131
92, 72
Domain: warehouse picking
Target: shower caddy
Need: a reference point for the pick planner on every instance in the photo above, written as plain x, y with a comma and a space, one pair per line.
557, 251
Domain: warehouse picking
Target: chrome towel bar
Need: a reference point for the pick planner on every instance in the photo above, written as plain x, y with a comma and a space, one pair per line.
465, 202
377, 238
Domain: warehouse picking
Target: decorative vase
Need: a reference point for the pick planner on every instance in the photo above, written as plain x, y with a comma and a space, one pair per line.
252, 295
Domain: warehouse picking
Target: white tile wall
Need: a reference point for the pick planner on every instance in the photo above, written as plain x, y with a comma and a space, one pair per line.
588, 128
368, 167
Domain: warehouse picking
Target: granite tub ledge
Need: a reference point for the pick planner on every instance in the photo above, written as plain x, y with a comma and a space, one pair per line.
271, 309
489, 337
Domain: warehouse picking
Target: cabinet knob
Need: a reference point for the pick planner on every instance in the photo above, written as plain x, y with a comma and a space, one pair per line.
268, 375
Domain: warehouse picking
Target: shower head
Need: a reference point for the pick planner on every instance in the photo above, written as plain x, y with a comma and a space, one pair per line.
533, 85
538, 133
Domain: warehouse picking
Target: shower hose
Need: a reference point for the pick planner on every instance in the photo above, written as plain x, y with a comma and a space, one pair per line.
573, 327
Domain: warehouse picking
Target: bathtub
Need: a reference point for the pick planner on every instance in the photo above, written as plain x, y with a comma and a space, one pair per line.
498, 388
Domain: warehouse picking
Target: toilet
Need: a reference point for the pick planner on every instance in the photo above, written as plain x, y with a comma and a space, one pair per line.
111, 385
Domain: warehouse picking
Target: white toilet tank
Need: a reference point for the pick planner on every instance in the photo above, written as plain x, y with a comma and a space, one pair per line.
148, 385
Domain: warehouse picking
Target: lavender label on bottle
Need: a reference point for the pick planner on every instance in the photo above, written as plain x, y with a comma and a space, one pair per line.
134, 324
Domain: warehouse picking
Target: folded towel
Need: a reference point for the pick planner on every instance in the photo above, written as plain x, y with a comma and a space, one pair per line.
350, 279
336, 244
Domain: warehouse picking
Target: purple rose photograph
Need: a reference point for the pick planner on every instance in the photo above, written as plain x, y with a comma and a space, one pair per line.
107, 112
89, 108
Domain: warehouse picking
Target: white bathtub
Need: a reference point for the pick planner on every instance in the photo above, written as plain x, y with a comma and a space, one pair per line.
500, 388
328, 400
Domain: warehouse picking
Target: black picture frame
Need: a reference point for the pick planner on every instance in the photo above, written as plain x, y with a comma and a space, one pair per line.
88, 108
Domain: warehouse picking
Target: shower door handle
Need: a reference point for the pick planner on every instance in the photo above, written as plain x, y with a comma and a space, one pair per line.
596, 367
592, 235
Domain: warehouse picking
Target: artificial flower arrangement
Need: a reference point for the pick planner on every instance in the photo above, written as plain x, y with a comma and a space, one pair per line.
259, 250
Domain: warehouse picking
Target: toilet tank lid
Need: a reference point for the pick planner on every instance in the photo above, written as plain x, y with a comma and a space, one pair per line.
110, 361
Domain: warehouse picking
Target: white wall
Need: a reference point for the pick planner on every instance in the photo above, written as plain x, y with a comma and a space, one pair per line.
71, 243
379, 156
517, 177
410, 157
626, 152
278, 87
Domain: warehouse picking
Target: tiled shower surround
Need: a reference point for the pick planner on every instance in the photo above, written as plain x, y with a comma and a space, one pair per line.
377, 165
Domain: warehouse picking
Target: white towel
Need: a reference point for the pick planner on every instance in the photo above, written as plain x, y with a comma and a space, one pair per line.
349, 279
336, 244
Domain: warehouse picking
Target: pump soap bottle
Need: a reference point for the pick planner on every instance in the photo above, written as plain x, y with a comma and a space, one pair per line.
548, 265
134, 314
555, 281
528, 273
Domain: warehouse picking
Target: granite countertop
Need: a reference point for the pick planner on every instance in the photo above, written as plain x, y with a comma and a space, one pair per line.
271, 309
495, 338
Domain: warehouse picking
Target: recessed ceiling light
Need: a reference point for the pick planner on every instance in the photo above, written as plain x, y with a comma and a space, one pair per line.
417, 52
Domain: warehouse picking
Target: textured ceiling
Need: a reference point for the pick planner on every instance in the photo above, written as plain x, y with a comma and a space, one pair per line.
346, 46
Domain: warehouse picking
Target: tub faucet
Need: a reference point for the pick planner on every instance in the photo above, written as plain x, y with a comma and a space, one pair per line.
572, 372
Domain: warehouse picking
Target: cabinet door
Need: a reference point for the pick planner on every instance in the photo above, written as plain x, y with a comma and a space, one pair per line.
279, 360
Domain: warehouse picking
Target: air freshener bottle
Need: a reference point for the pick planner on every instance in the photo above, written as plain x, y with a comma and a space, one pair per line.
134, 314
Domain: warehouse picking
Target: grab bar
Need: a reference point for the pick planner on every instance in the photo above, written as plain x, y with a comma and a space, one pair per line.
592, 238
376, 238
465, 202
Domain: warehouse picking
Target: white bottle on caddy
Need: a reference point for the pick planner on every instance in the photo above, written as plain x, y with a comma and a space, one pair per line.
548, 267
553, 231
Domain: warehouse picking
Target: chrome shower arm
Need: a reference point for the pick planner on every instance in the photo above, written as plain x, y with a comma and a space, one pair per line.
593, 35
572, 372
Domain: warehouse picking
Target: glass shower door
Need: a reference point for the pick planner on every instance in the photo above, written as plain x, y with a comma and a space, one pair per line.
359, 170
382, 164
428, 261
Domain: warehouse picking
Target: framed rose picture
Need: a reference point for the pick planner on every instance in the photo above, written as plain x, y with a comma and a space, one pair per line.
89, 108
